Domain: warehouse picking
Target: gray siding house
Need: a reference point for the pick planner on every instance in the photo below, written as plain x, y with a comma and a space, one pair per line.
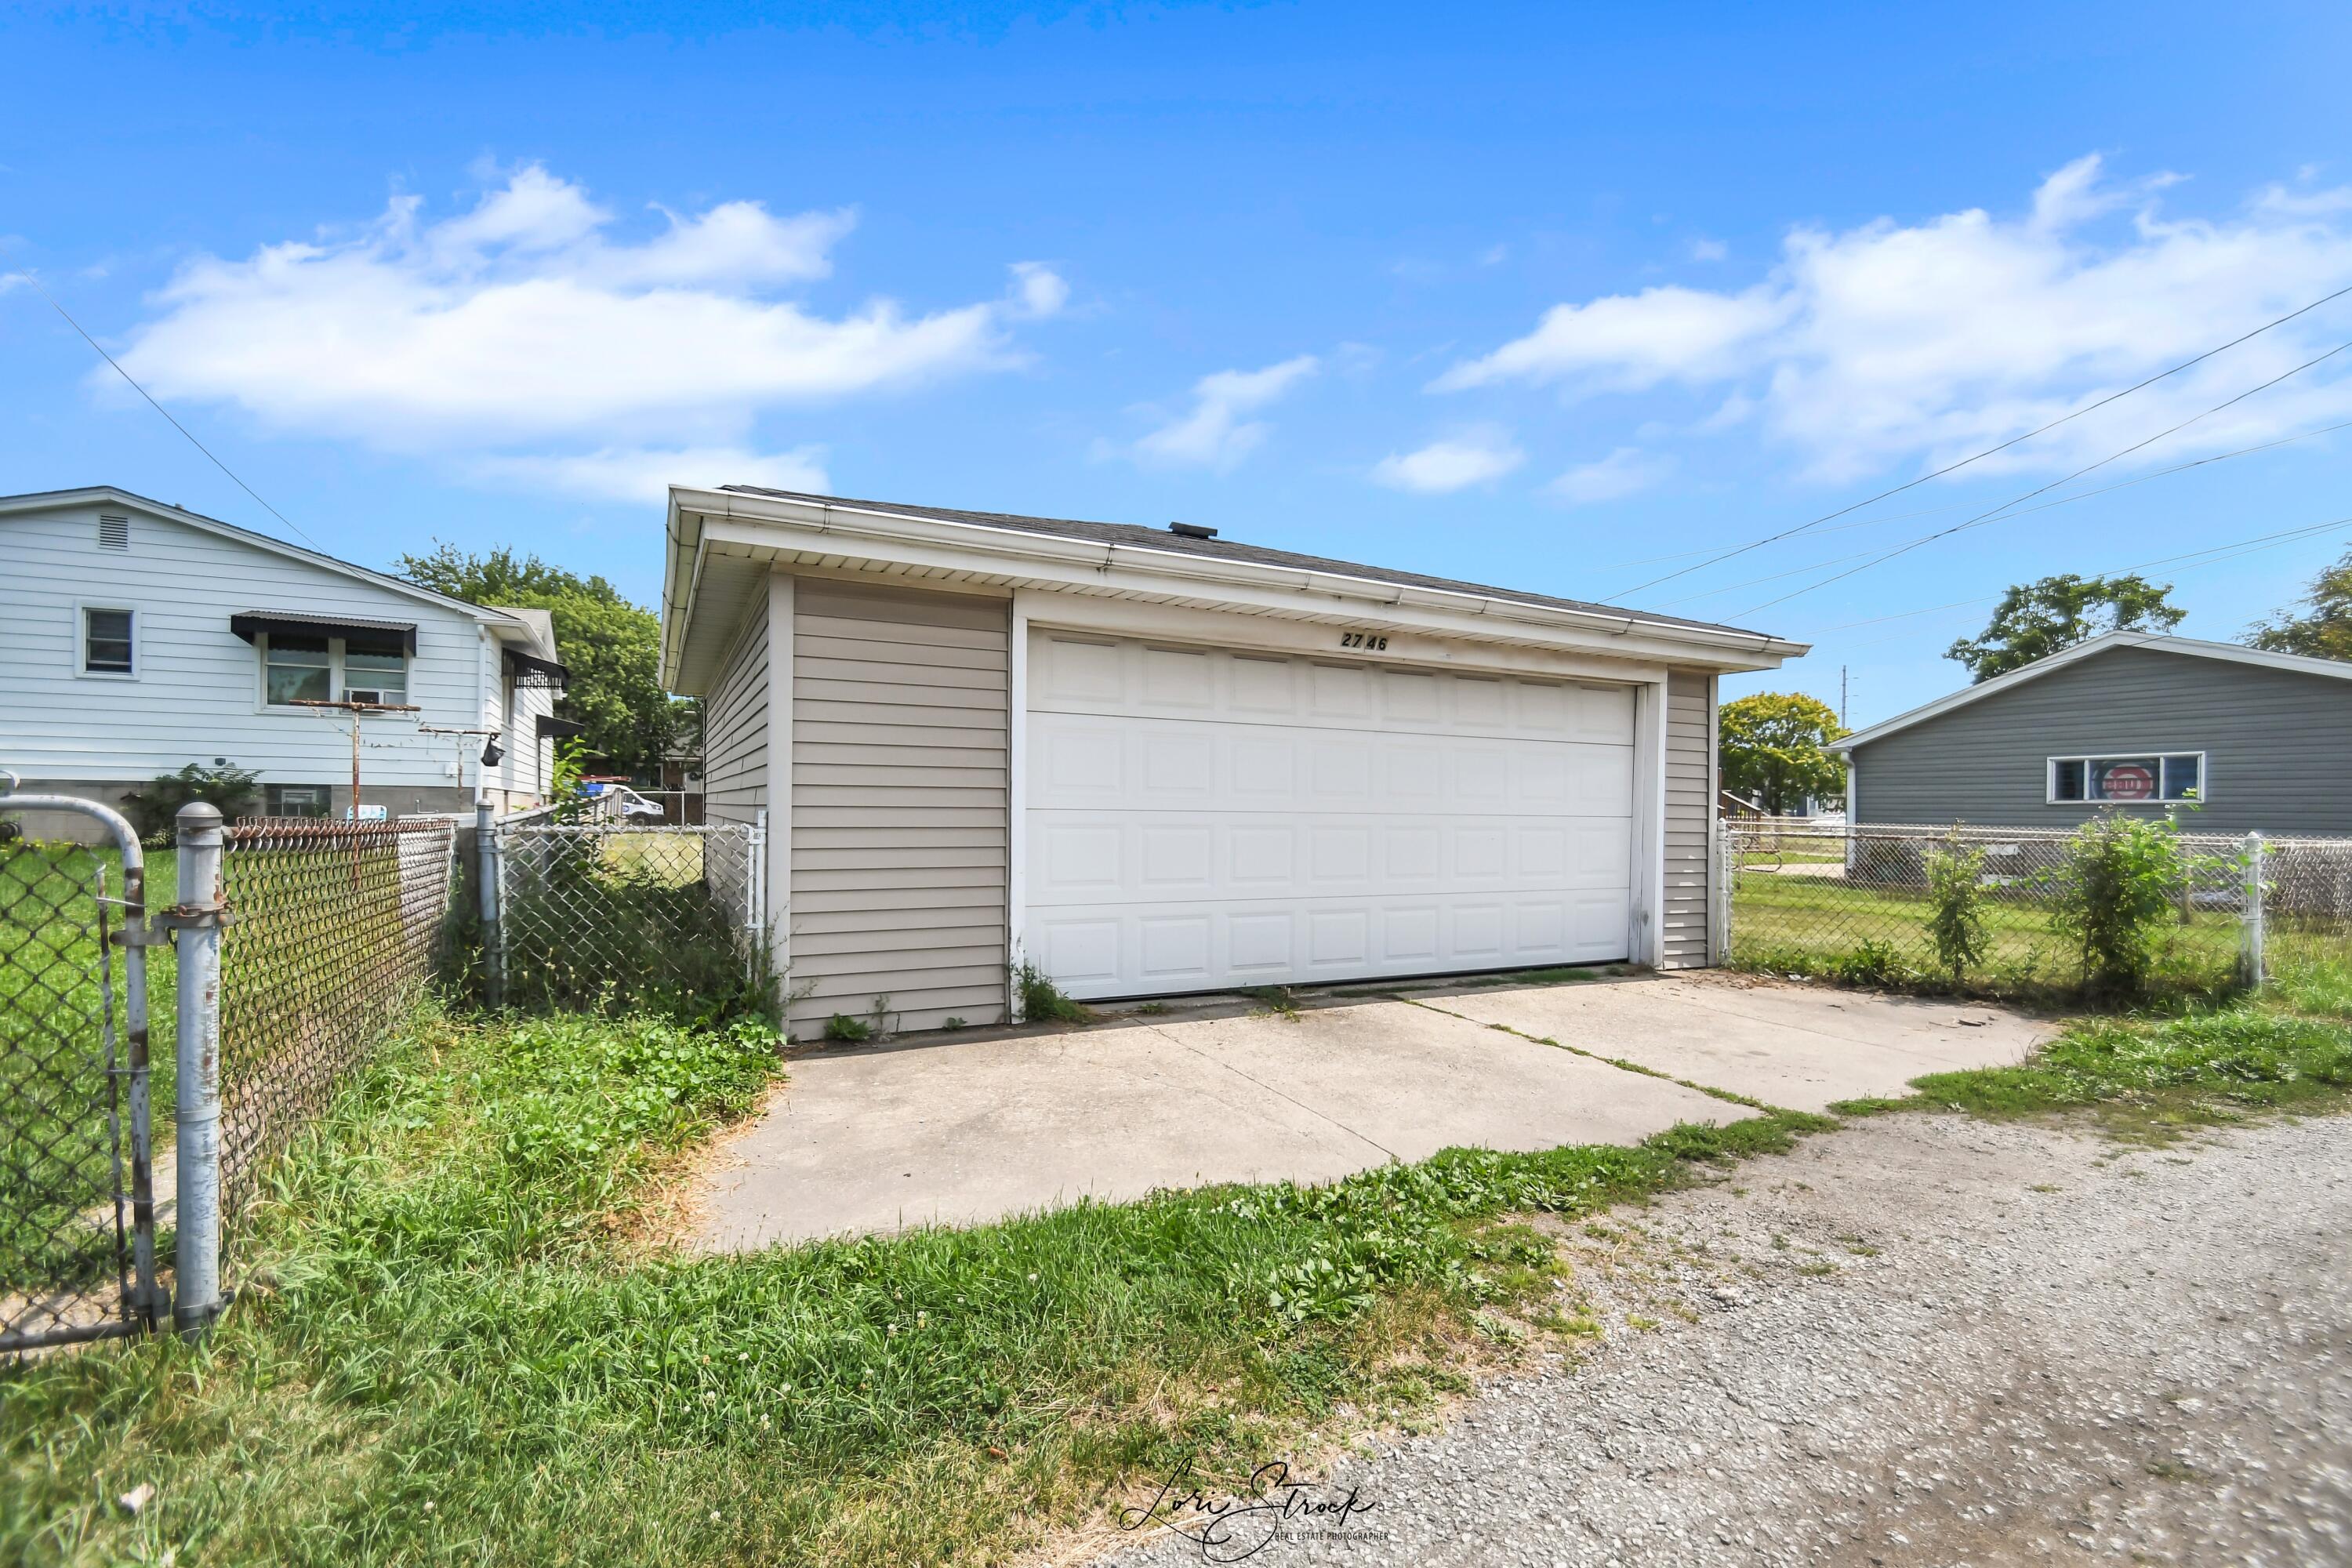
2231, 737
1153, 761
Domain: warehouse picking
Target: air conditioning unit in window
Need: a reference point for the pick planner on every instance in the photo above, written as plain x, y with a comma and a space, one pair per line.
363, 695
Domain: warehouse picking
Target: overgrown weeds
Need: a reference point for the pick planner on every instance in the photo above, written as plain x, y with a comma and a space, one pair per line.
1042, 1002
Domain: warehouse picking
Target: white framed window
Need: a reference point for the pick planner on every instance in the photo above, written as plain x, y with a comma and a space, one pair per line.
362, 668
296, 800
2128, 778
106, 641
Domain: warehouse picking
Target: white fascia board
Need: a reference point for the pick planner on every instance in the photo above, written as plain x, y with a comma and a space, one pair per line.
769, 523
2192, 648
107, 495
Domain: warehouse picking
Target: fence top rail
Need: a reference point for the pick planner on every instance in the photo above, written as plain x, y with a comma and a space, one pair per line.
608, 829
246, 830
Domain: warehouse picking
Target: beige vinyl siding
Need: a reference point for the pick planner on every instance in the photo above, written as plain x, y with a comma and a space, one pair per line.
901, 745
735, 728
1690, 818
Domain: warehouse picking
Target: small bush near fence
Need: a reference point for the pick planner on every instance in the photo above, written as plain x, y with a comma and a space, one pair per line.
2123, 909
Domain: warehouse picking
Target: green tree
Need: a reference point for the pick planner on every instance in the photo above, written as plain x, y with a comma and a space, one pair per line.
1775, 748
2324, 629
2035, 620
610, 646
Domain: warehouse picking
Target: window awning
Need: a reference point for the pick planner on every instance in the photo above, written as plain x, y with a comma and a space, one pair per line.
531, 673
249, 623
551, 728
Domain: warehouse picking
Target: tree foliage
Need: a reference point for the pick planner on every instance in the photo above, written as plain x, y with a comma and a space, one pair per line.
611, 647
2037, 619
1775, 748
2117, 890
1956, 928
2324, 629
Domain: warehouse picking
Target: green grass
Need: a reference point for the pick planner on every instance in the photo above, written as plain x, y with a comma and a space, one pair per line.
455, 1345
1820, 926
2157, 1072
57, 1153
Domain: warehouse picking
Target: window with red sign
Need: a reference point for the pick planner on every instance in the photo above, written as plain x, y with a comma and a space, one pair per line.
2127, 780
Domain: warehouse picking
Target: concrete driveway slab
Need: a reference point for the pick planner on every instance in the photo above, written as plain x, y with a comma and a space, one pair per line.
1802, 1047
958, 1130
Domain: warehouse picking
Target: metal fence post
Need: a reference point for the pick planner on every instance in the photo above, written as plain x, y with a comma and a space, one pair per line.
488, 875
197, 918
755, 889
1726, 860
2250, 959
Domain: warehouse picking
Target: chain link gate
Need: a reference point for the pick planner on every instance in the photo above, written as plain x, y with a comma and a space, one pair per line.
77, 1154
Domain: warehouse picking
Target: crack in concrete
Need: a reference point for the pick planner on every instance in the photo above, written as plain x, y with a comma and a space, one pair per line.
1321, 1115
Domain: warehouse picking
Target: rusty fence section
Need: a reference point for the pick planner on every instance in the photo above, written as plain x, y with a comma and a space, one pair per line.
331, 934
1854, 901
76, 1194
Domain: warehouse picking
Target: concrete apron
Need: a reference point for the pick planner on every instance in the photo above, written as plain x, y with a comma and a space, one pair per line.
1801, 1047
955, 1131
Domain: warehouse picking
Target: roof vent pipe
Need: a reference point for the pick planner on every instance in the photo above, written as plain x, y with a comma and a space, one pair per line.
1192, 530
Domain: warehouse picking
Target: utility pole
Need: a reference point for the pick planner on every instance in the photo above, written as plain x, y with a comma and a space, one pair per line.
1841, 724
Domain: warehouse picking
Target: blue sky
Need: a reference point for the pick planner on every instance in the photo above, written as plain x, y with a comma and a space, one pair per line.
1519, 295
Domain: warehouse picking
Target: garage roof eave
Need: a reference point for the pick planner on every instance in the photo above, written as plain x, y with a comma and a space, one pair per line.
715, 535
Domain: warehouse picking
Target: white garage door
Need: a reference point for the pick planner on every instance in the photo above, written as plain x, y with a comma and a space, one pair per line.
1199, 819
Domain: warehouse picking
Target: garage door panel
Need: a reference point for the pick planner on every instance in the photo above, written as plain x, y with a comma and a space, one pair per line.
1085, 858
1128, 949
1200, 817
1074, 673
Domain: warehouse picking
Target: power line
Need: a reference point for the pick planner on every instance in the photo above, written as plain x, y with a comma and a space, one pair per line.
159, 408
1990, 451
1956, 505
1994, 515
2230, 550
2027, 511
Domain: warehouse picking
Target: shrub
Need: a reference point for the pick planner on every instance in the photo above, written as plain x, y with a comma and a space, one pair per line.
2119, 884
1956, 914
841, 1026
153, 809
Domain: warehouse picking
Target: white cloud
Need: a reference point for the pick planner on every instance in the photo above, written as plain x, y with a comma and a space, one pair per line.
1889, 343
1624, 472
1631, 341
1708, 251
1457, 463
1039, 290
1214, 433
646, 474
522, 332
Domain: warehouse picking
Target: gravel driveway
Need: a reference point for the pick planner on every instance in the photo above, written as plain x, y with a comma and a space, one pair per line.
1927, 1339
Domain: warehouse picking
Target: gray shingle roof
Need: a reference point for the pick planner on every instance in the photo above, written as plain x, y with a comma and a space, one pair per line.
1137, 536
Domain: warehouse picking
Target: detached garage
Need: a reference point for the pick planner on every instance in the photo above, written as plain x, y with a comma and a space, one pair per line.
1152, 763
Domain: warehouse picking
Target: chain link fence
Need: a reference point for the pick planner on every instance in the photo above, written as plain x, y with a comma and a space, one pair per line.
610, 917
68, 1145
1853, 901
332, 935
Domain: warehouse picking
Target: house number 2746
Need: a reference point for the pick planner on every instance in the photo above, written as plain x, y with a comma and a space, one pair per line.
1371, 640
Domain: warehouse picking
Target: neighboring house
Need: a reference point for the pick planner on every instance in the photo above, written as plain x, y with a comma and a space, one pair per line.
1153, 761
137, 637
2231, 737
